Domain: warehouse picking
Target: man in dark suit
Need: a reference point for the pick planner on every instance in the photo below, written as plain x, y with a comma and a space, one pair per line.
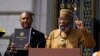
37, 38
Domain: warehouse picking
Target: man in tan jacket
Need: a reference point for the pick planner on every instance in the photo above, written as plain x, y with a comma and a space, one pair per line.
66, 36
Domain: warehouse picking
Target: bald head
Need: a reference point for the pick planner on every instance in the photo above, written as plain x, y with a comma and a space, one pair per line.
26, 13
26, 19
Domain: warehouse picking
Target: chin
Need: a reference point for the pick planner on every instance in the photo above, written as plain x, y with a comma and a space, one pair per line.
64, 28
25, 27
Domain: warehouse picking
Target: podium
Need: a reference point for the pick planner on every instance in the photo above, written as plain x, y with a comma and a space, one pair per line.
54, 52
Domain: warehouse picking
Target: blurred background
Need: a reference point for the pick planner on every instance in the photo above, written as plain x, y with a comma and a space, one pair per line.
46, 17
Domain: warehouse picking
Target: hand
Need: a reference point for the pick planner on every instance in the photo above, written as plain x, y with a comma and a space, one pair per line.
79, 23
12, 48
27, 46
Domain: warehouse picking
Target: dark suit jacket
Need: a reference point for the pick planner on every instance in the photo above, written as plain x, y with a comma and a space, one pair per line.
37, 41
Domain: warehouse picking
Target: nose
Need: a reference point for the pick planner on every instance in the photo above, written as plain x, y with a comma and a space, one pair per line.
62, 21
25, 19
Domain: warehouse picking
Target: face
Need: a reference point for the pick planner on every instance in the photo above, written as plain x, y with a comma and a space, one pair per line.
64, 22
26, 20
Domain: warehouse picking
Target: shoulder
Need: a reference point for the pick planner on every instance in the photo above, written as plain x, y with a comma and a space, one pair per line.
74, 31
55, 31
36, 32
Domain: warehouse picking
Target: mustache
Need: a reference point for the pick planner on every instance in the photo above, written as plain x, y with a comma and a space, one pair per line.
65, 27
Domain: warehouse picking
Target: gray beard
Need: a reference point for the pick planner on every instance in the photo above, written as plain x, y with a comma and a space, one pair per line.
66, 28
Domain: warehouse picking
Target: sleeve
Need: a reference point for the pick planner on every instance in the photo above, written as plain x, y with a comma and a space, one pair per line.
7, 52
87, 39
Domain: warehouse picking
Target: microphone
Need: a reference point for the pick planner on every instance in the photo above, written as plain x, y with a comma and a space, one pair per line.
46, 38
39, 44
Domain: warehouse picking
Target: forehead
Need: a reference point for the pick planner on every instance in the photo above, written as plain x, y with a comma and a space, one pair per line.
65, 16
25, 14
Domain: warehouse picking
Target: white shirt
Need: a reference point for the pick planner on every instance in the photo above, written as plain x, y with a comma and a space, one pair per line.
95, 54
